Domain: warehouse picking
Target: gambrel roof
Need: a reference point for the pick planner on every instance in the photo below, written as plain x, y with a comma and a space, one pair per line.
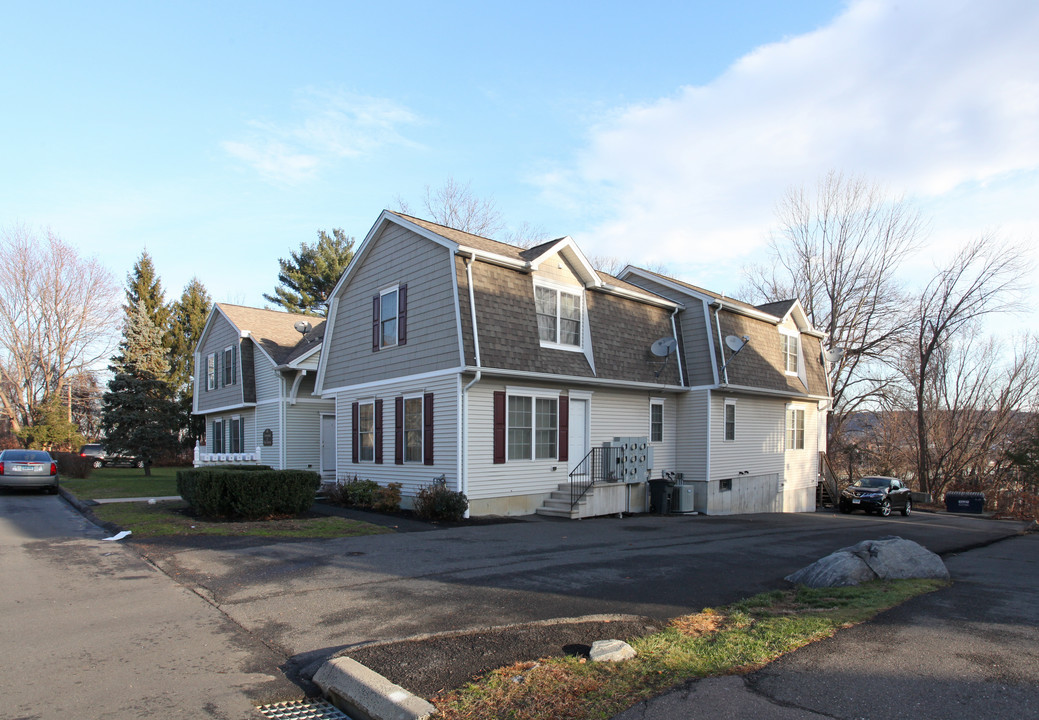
274, 331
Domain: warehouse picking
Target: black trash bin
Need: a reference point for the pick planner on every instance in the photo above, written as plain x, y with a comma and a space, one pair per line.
965, 502
659, 494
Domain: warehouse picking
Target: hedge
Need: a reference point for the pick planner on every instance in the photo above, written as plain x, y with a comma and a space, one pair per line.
247, 494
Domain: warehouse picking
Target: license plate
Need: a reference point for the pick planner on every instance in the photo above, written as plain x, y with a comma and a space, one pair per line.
856, 501
24, 468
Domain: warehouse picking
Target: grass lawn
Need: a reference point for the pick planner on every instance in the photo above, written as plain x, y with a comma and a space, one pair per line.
738, 638
124, 482
167, 518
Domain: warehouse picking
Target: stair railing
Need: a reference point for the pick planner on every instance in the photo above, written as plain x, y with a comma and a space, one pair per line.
599, 465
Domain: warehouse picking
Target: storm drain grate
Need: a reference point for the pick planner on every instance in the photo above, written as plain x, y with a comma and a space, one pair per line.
303, 710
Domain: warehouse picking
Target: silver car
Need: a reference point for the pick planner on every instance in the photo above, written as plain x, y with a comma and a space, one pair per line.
28, 469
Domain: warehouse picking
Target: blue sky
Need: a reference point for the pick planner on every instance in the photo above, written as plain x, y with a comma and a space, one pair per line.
221, 135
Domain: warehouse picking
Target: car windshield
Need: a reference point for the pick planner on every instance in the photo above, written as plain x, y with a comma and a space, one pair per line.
872, 482
25, 456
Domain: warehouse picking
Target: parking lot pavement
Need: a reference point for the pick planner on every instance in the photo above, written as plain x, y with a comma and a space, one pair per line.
970, 650
90, 630
312, 599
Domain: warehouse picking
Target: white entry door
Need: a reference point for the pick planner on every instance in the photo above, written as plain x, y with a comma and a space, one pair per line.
579, 441
328, 444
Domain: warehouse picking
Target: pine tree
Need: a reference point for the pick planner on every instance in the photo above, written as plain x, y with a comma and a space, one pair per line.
189, 315
308, 277
51, 428
144, 286
139, 412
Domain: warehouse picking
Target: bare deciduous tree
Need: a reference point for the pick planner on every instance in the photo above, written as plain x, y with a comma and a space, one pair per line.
455, 205
984, 278
58, 316
837, 250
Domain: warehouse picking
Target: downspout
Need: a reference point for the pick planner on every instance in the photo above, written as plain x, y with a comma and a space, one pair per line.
721, 344
678, 347
463, 478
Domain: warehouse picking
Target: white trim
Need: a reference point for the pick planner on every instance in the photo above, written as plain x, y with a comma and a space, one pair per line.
581, 394
225, 408
559, 288
656, 402
578, 379
710, 344
535, 396
793, 396
458, 308
322, 364
392, 381
532, 391
395, 289
421, 397
360, 444
300, 374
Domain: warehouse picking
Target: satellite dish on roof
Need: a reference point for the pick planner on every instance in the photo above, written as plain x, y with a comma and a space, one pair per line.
664, 347
736, 343
303, 327
833, 355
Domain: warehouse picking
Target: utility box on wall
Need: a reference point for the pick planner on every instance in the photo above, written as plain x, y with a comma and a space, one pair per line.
632, 459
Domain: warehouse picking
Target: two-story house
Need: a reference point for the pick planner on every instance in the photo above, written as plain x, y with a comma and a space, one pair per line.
254, 383
500, 369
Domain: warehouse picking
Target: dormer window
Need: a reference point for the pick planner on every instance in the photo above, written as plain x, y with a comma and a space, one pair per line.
390, 317
790, 348
559, 316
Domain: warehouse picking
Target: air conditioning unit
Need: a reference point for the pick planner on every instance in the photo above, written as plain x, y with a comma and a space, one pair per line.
682, 499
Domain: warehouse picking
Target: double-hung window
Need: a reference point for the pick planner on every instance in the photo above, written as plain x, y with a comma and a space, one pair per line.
229, 366
390, 317
795, 428
533, 427
237, 434
730, 420
559, 316
366, 431
413, 429
789, 345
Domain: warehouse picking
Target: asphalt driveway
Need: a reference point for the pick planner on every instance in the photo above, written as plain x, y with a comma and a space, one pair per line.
313, 599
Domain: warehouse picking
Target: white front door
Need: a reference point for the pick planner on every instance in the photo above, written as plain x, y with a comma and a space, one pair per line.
328, 443
579, 442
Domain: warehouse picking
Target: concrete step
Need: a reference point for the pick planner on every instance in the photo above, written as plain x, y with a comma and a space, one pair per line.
557, 512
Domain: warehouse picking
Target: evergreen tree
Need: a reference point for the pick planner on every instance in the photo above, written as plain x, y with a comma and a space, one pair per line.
143, 286
139, 412
51, 428
308, 277
189, 315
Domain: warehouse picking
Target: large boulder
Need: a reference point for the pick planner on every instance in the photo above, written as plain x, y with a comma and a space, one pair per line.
890, 558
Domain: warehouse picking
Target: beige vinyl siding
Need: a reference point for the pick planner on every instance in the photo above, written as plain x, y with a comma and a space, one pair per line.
396, 257
412, 475
758, 447
613, 413
548, 269
221, 335
693, 421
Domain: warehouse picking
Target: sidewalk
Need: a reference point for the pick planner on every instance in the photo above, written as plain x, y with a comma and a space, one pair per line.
970, 650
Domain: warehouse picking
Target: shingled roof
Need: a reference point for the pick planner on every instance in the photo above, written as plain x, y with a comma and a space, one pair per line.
275, 331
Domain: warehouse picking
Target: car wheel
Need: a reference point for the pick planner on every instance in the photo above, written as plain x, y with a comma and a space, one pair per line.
885, 508
908, 508
97, 464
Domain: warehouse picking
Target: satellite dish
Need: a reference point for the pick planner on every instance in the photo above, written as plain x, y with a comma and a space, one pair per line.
664, 347
833, 355
303, 327
736, 343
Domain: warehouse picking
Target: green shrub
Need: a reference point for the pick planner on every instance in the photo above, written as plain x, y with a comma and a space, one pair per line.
71, 465
355, 492
247, 494
436, 502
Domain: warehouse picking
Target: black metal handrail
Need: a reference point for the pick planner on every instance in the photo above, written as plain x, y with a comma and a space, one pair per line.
599, 465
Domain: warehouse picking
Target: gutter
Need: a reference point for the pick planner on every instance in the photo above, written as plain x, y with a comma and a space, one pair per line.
463, 475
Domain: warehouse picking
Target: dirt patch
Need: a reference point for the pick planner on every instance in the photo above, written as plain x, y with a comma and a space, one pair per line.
430, 665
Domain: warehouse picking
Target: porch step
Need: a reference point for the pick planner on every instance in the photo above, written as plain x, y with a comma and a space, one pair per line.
557, 504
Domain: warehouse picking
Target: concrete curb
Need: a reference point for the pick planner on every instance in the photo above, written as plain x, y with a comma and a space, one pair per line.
367, 695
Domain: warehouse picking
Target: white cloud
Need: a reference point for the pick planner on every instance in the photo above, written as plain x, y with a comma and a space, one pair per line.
333, 127
928, 97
